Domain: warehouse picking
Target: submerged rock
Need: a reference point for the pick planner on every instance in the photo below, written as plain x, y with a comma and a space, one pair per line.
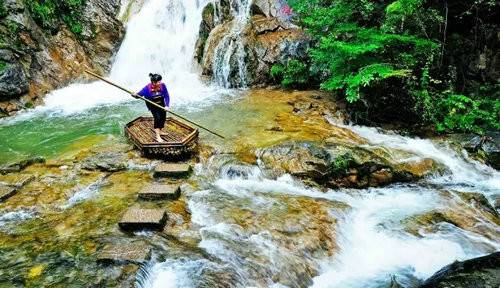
107, 162
138, 252
20, 165
6, 192
482, 272
457, 212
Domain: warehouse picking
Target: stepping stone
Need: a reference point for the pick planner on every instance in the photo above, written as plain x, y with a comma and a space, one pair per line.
172, 170
160, 191
6, 192
137, 219
131, 252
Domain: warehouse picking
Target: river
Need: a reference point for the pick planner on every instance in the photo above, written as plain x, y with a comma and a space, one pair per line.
238, 224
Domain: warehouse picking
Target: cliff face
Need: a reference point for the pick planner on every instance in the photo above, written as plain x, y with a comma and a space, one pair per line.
35, 59
266, 37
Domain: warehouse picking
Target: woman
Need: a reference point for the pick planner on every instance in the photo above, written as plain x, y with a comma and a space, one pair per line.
156, 92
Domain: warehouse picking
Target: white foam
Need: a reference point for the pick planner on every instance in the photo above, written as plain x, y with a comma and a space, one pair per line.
463, 171
14, 216
368, 251
160, 38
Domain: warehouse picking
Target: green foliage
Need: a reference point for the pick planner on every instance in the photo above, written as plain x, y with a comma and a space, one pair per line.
3, 65
294, 74
49, 13
362, 49
341, 164
462, 113
3, 10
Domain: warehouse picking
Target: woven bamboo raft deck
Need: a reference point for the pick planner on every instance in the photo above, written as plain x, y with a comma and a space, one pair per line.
180, 139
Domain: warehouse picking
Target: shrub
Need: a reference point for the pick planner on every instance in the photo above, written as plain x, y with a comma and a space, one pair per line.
50, 13
294, 74
389, 58
459, 112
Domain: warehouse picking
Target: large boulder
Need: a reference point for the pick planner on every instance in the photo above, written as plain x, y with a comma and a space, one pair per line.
341, 165
486, 148
479, 272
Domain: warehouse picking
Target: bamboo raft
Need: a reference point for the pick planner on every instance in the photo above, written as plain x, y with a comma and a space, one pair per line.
181, 140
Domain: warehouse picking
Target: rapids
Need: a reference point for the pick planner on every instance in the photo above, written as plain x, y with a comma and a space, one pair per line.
238, 224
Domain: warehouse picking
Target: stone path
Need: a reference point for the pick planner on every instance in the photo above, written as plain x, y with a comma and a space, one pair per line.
137, 252
172, 170
137, 219
160, 192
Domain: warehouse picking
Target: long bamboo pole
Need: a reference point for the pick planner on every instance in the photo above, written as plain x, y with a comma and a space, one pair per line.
153, 103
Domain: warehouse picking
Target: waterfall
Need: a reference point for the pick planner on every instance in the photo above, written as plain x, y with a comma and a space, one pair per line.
160, 38
229, 55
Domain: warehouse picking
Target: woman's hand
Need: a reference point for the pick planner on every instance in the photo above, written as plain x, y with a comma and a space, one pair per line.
136, 96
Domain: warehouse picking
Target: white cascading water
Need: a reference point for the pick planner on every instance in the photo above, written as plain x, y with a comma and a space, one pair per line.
160, 38
372, 243
231, 50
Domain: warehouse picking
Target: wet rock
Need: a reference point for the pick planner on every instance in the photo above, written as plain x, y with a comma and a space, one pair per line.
341, 165
6, 192
172, 170
263, 25
138, 252
160, 192
478, 201
416, 169
17, 180
301, 106
266, 41
459, 207
106, 162
20, 165
206, 26
481, 272
138, 219
491, 149
486, 148
13, 82
299, 159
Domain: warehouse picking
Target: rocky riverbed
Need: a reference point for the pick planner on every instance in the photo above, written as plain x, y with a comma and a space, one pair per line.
287, 200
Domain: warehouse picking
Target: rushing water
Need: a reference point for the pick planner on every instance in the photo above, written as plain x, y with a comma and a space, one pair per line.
250, 227
229, 55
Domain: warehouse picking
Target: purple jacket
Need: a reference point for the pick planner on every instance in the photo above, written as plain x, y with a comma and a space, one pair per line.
146, 93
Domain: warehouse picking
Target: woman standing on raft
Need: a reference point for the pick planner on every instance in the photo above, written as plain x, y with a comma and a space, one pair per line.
156, 92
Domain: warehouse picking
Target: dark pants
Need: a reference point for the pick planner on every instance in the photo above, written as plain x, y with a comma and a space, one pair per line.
159, 116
